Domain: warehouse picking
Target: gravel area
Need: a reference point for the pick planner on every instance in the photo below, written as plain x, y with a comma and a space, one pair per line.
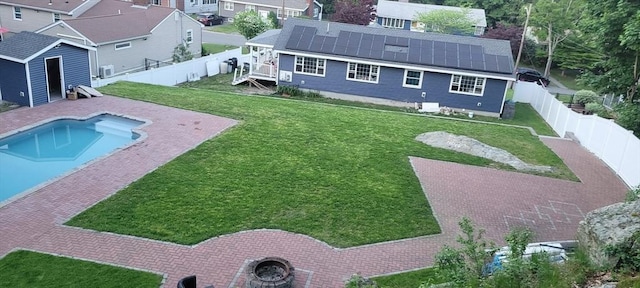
474, 147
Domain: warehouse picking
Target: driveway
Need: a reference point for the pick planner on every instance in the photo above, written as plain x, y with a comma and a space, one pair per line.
222, 38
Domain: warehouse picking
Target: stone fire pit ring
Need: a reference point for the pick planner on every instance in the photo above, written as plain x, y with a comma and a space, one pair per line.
269, 272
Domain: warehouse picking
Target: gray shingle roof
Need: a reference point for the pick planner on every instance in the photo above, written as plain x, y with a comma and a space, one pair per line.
24, 44
268, 37
494, 55
64, 6
407, 11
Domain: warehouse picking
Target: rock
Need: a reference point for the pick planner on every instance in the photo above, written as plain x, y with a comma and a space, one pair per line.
474, 147
611, 225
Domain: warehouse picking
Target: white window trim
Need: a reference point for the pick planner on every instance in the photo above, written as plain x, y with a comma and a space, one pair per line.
387, 22
295, 66
484, 85
229, 6
288, 13
58, 18
478, 31
211, 2
122, 43
17, 11
419, 86
188, 33
361, 80
249, 7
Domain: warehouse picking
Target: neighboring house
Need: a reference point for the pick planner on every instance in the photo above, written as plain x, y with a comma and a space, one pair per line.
200, 6
401, 15
129, 37
293, 8
397, 66
36, 69
30, 15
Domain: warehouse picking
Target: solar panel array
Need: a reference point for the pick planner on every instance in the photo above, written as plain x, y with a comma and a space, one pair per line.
398, 49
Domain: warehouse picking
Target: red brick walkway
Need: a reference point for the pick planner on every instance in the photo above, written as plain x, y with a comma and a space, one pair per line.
495, 200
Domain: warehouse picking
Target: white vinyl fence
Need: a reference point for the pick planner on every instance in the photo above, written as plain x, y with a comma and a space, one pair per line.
616, 146
178, 73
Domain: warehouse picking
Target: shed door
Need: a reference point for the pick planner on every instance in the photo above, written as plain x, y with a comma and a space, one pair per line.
54, 78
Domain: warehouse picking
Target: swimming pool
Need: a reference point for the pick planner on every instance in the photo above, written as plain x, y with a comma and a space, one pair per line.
37, 155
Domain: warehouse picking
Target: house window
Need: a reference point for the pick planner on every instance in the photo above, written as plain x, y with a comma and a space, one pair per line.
479, 31
56, 17
228, 6
288, 13
467, 85
249, 8
189, 36
209, 2
412, 79
393, 23
362, 72
316, 12
156, 2
123, 45
17, 13
309, 65
417, 26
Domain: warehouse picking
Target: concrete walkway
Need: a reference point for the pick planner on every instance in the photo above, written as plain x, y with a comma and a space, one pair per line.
496, 200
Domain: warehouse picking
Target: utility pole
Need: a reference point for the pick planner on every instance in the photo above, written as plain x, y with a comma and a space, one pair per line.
524, 32
282, 22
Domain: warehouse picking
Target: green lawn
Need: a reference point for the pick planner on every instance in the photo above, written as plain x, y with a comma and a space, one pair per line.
227, 28
411, 279
568, 79
33, 270
335, 173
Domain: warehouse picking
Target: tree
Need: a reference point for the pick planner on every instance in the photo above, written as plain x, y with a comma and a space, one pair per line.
554, 21
250, 24
614, 27
360, 12
181, 53
496, 11
446, 21
576, 53
511, 33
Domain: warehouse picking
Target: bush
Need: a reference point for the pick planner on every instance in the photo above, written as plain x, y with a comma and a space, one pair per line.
627, 253
357, 281
585, 96
597, 108
294, 91
628, 116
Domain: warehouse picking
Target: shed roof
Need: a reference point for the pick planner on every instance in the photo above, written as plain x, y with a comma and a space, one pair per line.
267, 38
407, 11
290, 4
395, 46
25, 45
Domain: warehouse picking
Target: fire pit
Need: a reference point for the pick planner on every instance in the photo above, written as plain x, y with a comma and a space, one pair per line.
270, 272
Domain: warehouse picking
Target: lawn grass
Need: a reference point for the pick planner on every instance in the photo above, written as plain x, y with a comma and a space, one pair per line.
227, 28
411, 279
220, 82
31, 269
217, 48
335, 173
568, 79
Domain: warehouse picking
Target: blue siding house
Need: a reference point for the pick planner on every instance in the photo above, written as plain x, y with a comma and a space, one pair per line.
400, 67
36, 69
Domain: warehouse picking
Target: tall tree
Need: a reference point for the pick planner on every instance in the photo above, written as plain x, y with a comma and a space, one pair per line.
614, 26
446, 21
360, 12
496, 11
250, 24
555, 20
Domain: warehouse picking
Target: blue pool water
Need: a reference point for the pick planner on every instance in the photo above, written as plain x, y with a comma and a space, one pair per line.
42, 153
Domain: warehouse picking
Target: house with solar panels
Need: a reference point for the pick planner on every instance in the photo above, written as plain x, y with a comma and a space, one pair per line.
396, 67
401, 15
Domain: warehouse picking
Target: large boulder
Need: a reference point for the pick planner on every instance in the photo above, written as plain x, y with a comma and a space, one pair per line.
609, 226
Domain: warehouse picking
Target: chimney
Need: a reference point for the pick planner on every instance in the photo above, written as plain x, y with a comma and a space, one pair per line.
310, 8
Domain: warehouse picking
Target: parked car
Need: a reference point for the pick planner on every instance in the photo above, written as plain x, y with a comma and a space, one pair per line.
530, 75
210, 19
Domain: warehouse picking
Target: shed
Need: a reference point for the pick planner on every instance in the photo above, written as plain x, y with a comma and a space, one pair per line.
36, 69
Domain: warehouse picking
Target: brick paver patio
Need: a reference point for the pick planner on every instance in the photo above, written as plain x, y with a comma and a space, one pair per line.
494, 199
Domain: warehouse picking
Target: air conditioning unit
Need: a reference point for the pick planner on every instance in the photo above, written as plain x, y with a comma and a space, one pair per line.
285, 76
106, 71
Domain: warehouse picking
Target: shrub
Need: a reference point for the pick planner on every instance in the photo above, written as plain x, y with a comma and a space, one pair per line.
357, 281
597, 108
289, 90
627, 253
585, 96
628, 116
632, 195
